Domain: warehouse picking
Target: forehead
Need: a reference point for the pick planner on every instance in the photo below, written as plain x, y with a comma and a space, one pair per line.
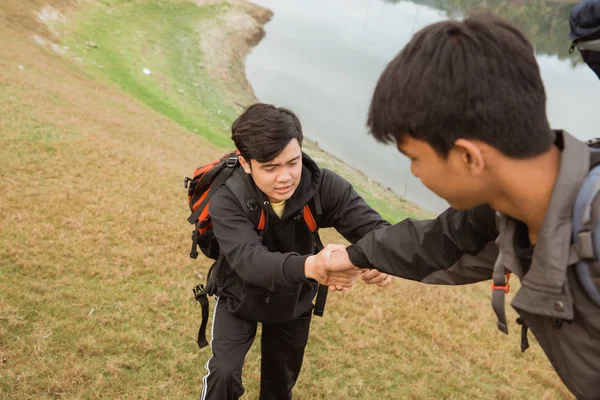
289, 152
409, 144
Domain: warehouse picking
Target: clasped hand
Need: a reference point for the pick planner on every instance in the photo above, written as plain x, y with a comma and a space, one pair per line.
332, 267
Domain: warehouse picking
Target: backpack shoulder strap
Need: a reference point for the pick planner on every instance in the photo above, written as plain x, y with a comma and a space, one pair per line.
586, 234
246, 194
594, 157
309, 219
312, 213
313, 221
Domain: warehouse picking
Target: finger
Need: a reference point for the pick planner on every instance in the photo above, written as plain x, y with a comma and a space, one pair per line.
322, 276
376, 279
387, 282
348, 271
343, 281
352, 275
370, 274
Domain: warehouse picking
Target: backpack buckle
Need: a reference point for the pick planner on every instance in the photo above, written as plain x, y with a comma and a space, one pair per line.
231, 162
584, 246
198, 291
505, 287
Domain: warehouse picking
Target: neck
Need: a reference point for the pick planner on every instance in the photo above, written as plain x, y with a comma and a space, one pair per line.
525, 188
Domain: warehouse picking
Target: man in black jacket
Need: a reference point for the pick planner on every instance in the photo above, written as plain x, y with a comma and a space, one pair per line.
272, 277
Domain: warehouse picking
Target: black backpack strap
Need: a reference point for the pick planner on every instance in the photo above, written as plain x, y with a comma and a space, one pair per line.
594, 145
214, 279
323, 290
244, 190
201, 297
194, 250
321, 300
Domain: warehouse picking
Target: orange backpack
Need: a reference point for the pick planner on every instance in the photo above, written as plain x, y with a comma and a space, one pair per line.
206, 181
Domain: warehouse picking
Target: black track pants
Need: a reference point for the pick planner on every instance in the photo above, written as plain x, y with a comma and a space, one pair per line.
282, 348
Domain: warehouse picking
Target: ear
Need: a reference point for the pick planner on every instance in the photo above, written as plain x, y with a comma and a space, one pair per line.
245, 165
470, 155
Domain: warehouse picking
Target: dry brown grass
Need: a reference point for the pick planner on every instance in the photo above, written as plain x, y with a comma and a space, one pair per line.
95, 282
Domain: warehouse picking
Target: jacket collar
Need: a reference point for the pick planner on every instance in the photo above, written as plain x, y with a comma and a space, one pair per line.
544, 288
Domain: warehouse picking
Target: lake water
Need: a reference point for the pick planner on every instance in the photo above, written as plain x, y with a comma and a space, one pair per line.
322, 59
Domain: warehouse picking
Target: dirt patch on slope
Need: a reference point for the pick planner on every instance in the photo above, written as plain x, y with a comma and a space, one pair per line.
27, 16
227, 41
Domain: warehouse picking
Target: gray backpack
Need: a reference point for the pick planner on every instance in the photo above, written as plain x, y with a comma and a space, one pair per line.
586, 234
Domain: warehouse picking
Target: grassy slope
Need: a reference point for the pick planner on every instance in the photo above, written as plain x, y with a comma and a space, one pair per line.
95, 282
136, 35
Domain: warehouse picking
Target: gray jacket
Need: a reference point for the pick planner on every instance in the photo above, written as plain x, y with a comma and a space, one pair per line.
460, 247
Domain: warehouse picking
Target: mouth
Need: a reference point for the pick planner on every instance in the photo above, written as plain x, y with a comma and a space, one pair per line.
283, 189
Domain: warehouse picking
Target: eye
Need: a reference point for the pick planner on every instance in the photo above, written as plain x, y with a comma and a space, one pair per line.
270, 169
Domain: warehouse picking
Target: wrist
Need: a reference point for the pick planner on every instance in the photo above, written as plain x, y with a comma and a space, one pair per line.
309, 267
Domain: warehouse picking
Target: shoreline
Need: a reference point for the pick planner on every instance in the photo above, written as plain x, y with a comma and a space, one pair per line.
236, 41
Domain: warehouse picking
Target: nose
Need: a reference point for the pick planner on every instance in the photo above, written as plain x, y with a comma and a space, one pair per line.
284, 177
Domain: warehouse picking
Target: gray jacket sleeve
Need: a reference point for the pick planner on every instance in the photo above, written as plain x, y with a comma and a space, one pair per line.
414, 249
468, 268
345, 210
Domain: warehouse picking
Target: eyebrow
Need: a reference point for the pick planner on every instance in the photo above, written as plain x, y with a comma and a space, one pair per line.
271, 164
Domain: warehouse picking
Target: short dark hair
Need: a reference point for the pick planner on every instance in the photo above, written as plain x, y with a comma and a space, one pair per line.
263, 130
475, 79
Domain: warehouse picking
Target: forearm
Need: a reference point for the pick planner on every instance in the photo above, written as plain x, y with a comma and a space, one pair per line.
415, 249
270, 270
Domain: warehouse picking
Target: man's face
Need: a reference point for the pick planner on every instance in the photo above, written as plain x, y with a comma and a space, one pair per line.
449, 178
278, 178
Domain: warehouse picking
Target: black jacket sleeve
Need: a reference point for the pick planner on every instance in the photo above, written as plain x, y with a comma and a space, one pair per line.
242, 247
414, 249
345, 210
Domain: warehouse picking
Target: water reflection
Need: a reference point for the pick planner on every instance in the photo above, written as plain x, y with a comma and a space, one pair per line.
546, 22
322, 58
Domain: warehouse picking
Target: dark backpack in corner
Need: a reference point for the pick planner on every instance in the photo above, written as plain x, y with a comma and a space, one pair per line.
206, 181
584, 24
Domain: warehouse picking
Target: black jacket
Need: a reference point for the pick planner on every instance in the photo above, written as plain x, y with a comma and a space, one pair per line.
265, 279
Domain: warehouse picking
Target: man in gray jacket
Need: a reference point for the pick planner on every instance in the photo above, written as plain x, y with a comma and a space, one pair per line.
466, 103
